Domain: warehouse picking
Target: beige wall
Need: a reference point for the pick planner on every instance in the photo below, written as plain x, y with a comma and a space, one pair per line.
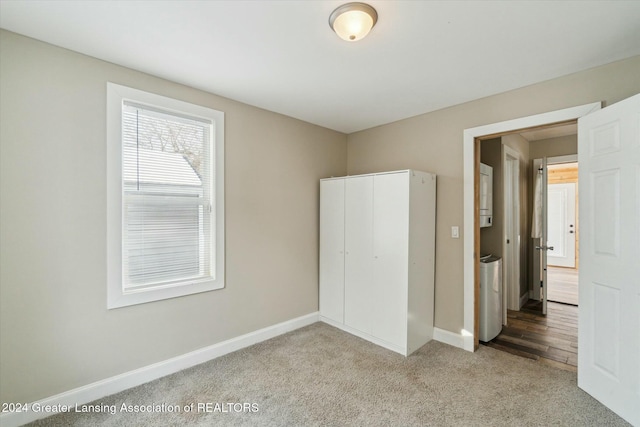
433, 142
56, 333
552, 147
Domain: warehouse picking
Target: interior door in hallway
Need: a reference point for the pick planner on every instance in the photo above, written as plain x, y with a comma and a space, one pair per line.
561, 217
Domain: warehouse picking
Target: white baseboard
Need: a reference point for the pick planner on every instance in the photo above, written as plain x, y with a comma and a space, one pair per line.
118, 383
364, 336
447, 337
441, 335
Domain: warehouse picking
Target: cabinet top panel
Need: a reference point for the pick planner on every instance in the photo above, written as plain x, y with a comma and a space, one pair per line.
405, 171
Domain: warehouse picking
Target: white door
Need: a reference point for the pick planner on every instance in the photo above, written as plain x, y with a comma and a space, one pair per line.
545, 237
358, 253
332, 249
391, 255
561, 214
539, 231
609, 325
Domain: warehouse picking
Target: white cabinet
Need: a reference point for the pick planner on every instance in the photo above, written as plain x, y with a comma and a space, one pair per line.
377, 251
332, 249
486, 195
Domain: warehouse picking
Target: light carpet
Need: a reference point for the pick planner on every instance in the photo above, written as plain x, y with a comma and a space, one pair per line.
321, 376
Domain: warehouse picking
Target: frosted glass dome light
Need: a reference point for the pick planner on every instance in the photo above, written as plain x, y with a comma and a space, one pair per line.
353, 21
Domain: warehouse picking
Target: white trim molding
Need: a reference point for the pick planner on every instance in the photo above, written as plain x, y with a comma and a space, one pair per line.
363, 335
118, 383
441, 335
211, 277
448, 337
469, 136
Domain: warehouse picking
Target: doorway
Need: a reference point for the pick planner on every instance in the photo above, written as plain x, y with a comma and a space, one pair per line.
562, 269
546, 333
609, 155
471, 241
550, 339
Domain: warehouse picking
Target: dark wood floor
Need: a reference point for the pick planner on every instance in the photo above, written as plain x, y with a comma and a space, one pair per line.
552, 340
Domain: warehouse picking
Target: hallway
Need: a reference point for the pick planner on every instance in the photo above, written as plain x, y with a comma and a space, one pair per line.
552, 340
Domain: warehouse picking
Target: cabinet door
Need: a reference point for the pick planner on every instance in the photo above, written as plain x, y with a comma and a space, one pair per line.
358, 249
390, 251
332, 249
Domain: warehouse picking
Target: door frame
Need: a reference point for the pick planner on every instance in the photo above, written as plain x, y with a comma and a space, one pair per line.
470, 166
511, 250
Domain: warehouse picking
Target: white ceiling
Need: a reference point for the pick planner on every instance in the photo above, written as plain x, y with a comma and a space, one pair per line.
282, 55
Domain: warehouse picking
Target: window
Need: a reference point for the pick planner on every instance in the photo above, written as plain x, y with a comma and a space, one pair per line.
165, 194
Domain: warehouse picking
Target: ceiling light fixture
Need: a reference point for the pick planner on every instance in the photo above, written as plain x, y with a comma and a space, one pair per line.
353, 21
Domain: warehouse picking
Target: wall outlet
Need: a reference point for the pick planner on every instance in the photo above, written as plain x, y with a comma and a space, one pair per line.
455, 232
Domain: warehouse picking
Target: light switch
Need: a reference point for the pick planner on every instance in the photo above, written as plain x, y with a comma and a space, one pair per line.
455, 232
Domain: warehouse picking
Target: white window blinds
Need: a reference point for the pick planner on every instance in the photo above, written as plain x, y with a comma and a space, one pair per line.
168, 225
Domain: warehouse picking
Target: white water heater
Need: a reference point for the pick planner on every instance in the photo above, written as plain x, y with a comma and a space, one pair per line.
490, 297
486, 195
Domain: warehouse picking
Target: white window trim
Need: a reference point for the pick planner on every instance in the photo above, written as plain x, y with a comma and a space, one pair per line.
116, 295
